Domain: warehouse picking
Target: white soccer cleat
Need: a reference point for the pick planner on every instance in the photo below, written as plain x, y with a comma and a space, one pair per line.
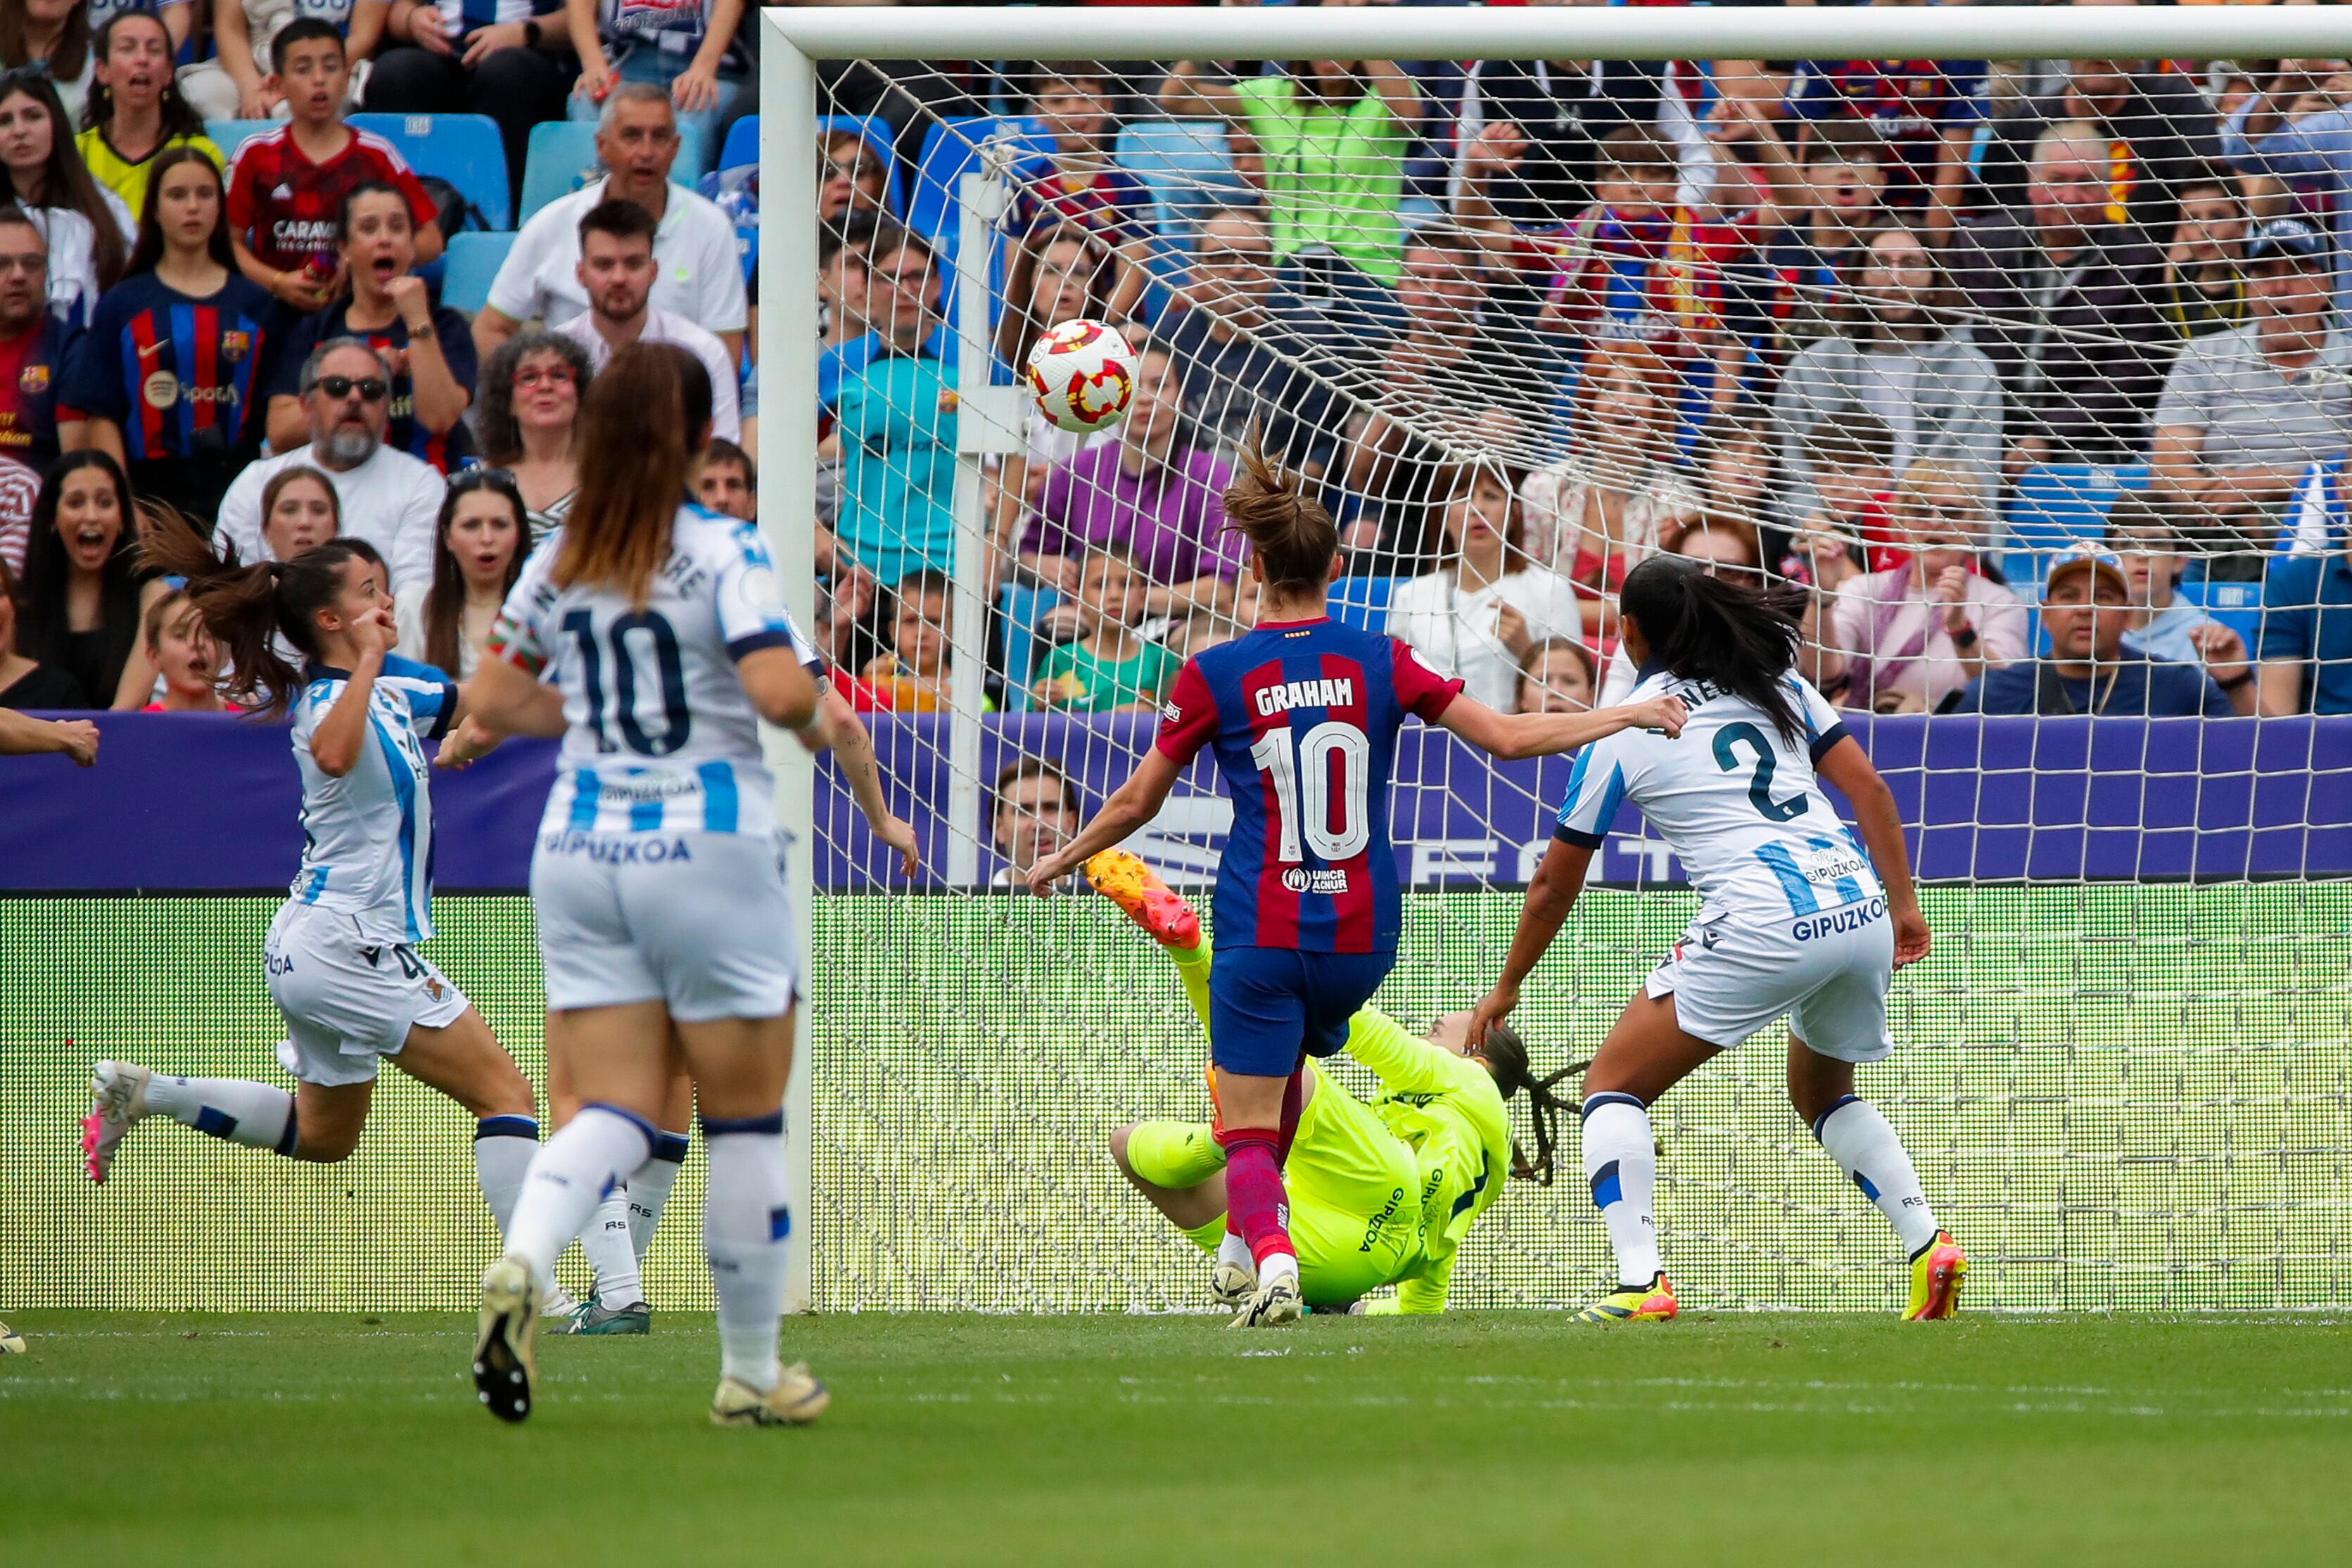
117, 1102
558, 1303
1274, 1304
504, 1376
1230, 1284
11, 1342
796, 1400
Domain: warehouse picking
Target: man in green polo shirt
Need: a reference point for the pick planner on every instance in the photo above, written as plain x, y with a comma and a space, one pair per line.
1331, 136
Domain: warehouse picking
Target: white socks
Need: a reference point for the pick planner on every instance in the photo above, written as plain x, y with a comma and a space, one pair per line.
1234, 1250
745, 1222
606, 1245
1621, 1163
504, 1147
573, 1172
254, 1115
649, 1188
1866, 1148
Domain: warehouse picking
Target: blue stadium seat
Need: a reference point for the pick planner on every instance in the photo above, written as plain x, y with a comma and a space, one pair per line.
463, 149
1362, 602
472, 262
228, 134
2056, 504
2237, 605
879, 136
562, 159
949, 148
742, 144
1186, 165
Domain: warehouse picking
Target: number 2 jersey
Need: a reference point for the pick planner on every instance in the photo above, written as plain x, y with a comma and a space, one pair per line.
367, 837
1741, 806
662, 739
1304, 717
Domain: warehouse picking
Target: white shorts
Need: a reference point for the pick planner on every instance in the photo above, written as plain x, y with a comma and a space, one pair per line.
348, 1001
1731, 975
697, 921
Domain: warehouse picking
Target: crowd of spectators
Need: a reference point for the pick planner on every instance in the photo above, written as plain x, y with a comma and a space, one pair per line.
1522, 324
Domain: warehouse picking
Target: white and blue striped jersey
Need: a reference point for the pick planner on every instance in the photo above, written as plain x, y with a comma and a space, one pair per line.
660, 737
1740, 807
367, 837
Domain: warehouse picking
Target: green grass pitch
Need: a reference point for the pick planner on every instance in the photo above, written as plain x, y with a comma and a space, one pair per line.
1482, 1438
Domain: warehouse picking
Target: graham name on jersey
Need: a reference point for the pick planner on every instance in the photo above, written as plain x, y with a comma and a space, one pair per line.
1339, 692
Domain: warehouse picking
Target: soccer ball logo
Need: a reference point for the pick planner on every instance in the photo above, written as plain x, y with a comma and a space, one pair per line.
1082, 374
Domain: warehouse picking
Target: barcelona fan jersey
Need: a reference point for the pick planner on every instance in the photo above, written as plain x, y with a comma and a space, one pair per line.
31, 366
1303, 716
174, 371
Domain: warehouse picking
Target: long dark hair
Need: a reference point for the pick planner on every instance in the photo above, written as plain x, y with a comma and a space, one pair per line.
44, 623
246, 608
1506, 1055
642, 427
70, 59
445, 601
1737, 639
66, 183
98, 108
1293, 537
150, 249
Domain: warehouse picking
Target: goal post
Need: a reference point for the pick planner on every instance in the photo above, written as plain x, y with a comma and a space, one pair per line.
2123, 1070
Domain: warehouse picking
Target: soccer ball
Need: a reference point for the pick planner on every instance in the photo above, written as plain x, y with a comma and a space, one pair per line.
1082, 373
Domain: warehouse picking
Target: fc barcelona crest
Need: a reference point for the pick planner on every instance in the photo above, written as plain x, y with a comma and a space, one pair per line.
235, 346
33, 381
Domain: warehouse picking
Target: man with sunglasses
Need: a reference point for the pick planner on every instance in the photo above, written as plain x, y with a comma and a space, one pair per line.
388, 497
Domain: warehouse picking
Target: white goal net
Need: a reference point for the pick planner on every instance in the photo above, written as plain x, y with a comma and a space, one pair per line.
2030, 369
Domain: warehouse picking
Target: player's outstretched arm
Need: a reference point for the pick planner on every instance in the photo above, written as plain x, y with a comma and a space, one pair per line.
1516, 735
852, 753
1549, 898
1130, 806
507, 699
21, 734
1848, 767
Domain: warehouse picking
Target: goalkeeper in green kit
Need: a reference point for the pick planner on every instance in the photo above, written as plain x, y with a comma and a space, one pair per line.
1380, 1193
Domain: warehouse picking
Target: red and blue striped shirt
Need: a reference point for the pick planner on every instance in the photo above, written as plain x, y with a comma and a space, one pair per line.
174, 371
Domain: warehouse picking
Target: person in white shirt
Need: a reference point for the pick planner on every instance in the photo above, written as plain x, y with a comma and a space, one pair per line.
616, 271
700, 275
1480, 611
388, 497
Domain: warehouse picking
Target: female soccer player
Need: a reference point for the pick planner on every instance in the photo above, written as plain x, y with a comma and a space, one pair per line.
341, 954
657, 878
1799, 917
1381, 1194
1304, 714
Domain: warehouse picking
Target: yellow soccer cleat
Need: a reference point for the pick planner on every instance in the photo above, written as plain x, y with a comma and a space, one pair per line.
1936, 1275
1650, 1304
796, 1400
1136, 888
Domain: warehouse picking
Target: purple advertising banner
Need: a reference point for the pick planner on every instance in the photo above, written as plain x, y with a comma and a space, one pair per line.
197, 802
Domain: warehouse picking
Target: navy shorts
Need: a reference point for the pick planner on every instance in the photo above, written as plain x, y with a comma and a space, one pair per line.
1269, 1005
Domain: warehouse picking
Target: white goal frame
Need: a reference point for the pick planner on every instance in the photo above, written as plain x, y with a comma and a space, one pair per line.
793, 38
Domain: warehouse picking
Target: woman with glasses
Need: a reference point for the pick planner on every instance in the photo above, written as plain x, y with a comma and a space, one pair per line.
88, 228
1901, 640
479, 546
1897, 351
429, 347
528, 424
1487, 606
165, 372
51, 39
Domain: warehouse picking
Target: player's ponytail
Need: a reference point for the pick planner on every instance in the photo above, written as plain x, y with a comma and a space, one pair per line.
1702, 627
1506, 1055
246, 608
643, 426
1292, 535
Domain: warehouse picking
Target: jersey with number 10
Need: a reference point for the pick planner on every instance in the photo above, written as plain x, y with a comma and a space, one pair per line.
1304, 717
662, 738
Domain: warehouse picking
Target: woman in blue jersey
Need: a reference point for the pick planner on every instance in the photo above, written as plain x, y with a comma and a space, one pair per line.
341, 954
166, 371
1798, 916
657, 882
1303, 714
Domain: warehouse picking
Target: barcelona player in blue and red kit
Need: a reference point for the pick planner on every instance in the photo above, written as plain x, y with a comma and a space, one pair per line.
1302, 716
